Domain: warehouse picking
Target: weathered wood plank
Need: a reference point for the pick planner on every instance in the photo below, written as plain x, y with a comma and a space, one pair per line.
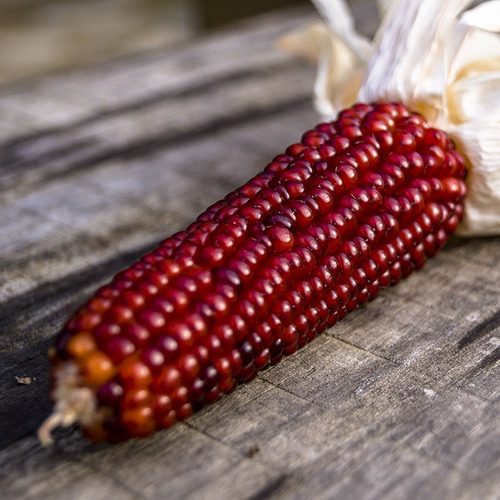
58, 101
400, 400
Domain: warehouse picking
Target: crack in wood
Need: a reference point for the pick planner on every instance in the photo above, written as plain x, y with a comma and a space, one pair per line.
356, 346
485, 363
479, 331
262, 376
272, 488
192, 426
288, 391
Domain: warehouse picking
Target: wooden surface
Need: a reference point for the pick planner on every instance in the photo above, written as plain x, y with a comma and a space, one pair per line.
399, 400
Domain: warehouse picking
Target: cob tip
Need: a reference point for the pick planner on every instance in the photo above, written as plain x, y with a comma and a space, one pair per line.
73, 404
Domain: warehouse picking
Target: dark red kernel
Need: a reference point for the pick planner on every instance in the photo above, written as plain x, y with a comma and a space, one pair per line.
119, 349
110, 393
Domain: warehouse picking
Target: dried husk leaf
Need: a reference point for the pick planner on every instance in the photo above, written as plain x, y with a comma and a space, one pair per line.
437, 60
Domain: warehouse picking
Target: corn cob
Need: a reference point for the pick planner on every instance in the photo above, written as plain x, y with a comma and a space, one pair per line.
354, 207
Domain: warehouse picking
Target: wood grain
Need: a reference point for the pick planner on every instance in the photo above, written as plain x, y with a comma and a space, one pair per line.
399, 400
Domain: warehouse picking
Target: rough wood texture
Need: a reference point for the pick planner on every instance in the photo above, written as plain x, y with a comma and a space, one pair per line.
400, 400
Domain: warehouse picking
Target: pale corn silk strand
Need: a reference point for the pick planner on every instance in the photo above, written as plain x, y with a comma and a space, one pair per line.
436, 59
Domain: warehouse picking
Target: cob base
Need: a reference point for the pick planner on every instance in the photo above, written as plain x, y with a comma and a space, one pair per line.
74, 404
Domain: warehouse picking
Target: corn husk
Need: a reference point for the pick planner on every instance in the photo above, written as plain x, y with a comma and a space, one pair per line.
436, 59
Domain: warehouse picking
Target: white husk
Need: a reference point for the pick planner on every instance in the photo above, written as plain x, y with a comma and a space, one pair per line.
435, 59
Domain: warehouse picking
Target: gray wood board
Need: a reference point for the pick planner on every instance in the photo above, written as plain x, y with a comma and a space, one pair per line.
399, 400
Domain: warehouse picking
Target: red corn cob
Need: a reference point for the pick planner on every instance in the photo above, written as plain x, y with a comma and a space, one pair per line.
357, 205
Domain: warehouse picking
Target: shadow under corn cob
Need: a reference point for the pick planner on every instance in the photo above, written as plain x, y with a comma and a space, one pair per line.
354, 207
